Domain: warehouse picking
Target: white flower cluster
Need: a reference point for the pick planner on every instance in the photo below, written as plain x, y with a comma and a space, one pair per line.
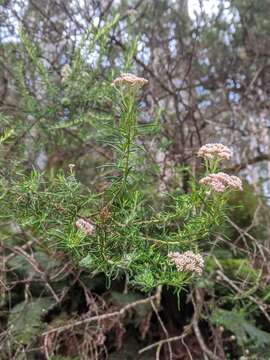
212, 151
85, 226
220, 182
129, 80
187, 261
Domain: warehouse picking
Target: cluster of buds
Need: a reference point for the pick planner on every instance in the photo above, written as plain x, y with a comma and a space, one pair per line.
187, 261
85, 226
220, 182
215, 151
130, 80
65, 72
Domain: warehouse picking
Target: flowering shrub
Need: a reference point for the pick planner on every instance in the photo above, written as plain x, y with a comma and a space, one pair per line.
118, 231
117, 226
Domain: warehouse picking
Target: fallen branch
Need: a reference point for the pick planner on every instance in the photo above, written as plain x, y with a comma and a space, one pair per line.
165, 341
263, 307
119, 313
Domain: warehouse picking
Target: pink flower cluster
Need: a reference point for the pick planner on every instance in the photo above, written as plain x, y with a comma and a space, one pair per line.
130, 80
187, 261
85, 226
220, 182
212, 151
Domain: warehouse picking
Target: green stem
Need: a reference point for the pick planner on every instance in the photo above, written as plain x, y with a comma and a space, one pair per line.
128, 125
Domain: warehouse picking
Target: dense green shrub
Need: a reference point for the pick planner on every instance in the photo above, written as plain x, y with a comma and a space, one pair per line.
117, 231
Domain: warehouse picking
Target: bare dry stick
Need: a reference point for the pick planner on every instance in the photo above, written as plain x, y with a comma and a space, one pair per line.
195, 325
119, 313
163, 328
24, 247
260, 304
164, 341
36, 267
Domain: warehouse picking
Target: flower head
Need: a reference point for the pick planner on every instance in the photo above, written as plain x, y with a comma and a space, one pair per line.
220, 182
85, 226
129, 80
65, 72
212, 151
71, 167
187, 261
